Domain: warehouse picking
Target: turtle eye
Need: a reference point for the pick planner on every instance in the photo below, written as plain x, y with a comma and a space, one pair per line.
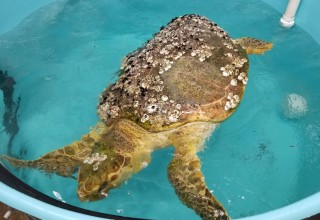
103, 188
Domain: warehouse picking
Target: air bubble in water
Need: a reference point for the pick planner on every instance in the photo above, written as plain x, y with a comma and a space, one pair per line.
294, 106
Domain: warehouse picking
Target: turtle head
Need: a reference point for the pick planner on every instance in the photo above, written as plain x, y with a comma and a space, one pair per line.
100, 173
93, 184
92, 189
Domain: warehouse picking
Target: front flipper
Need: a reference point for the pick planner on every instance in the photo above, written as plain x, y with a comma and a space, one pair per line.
188, 181
64, 161
253, 46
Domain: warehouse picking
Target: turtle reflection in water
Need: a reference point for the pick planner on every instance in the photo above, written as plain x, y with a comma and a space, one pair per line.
173, 91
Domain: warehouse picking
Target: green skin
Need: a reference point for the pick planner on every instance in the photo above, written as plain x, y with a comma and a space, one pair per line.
178, 106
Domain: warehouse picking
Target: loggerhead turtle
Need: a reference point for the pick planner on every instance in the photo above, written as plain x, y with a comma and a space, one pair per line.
173, 91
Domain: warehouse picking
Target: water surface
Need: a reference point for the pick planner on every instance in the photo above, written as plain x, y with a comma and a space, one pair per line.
63, 55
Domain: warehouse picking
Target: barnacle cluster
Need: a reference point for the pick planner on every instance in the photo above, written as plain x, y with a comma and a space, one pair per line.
232, 102
218, 213
232, 70
95, 159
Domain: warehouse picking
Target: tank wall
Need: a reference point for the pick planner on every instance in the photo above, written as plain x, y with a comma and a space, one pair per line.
307, 17
14, 11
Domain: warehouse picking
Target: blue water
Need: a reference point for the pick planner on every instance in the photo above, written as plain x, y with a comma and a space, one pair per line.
63, 55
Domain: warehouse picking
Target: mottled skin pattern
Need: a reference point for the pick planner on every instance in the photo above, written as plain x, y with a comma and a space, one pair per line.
173, 91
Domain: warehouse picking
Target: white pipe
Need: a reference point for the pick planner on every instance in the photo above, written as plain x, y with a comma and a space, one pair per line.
288, 17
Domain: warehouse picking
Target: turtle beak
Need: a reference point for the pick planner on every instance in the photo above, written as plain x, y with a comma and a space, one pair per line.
92, 196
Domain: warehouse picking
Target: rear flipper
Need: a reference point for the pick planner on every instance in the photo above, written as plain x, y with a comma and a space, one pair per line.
185, 175
64, 161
